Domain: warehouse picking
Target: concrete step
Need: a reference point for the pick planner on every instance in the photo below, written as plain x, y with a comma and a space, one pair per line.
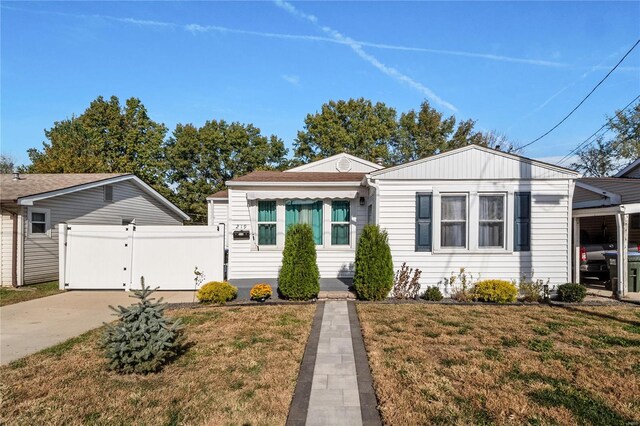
337, 295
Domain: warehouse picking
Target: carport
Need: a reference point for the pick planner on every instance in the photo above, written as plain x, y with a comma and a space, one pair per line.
613, 200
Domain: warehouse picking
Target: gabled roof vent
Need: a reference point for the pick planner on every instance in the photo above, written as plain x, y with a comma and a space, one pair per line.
343, 165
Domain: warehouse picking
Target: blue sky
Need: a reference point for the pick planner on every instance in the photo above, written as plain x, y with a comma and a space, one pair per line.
515, 67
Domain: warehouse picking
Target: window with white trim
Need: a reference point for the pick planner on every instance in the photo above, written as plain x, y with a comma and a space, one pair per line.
491, 221
340, 222
39, 222
267, 222
453, 221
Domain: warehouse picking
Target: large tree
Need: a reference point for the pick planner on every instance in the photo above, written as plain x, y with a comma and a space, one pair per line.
356, 126
202, 159
106, 138
427, 132
372, 131
612, 152
7, 163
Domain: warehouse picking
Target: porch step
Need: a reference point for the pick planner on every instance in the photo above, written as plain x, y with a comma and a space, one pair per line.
336, 295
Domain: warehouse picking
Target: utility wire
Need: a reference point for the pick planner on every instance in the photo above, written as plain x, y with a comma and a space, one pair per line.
586, 141
585, 98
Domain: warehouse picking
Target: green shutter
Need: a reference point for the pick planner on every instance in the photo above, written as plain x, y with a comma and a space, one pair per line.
424, 227
522, 221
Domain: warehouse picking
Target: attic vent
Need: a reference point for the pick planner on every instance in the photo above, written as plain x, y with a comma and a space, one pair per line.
343, 165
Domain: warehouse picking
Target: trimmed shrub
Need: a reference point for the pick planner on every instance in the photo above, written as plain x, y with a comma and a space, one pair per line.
299, 277
260, 292
498, 291
571, 292
143, 340
217, 292
432, 294
373, 277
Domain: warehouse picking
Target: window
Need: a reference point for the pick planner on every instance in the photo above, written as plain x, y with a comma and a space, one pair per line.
305, 211
267, 223
634, 221
423, 222
491, 221
38, 221
108, 192
522, 221
453, 221
340, 222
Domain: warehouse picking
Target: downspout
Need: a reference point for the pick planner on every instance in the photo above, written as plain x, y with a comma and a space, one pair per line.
376, 204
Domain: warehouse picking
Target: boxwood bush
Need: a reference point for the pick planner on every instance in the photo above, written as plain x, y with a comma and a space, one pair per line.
432, 294
373, 277
571, 292
299, 277
217, 292
498, 291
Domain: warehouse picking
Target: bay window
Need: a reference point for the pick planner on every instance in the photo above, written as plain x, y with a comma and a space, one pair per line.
491, 221
453, 221
340, 222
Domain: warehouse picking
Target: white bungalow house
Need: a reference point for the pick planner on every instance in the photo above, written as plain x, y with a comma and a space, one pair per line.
497, 215
33, 206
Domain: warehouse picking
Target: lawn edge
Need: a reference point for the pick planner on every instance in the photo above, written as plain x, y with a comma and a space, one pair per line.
368, 400
300, 400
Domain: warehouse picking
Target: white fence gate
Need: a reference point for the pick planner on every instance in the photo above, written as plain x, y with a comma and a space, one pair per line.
103, 257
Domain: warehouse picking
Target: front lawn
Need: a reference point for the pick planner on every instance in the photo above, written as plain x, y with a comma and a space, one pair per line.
10, 295
240, 368
438, 364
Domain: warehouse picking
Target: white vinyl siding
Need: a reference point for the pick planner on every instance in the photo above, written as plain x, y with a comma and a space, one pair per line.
550, 212
247, 260
88, 207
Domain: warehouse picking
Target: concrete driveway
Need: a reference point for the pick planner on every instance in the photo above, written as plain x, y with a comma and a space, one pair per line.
29, 327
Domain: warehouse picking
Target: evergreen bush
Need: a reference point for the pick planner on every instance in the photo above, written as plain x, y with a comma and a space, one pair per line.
217, 292
373, 277
571, 292
144, 339
299, 277
432, 294
498, 291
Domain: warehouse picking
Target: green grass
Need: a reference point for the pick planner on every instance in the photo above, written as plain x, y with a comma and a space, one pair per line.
9, 296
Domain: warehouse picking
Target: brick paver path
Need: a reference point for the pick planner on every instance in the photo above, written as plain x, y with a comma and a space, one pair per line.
334, 398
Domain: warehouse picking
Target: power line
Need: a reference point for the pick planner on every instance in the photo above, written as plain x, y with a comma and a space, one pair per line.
609, 121
585, 98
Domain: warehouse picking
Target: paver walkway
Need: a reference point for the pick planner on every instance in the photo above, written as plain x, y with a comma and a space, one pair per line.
334, 385
334, 396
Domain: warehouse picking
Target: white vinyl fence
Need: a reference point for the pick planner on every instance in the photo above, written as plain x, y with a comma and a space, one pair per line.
102, 257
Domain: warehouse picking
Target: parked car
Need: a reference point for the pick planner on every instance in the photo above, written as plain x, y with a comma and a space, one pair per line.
593, 266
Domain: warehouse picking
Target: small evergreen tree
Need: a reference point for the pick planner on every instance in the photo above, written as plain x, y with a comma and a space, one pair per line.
373, 276
143, 339
299, 277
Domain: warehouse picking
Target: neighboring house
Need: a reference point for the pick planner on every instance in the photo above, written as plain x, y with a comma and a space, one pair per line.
34, 204
497, 215
631, 171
